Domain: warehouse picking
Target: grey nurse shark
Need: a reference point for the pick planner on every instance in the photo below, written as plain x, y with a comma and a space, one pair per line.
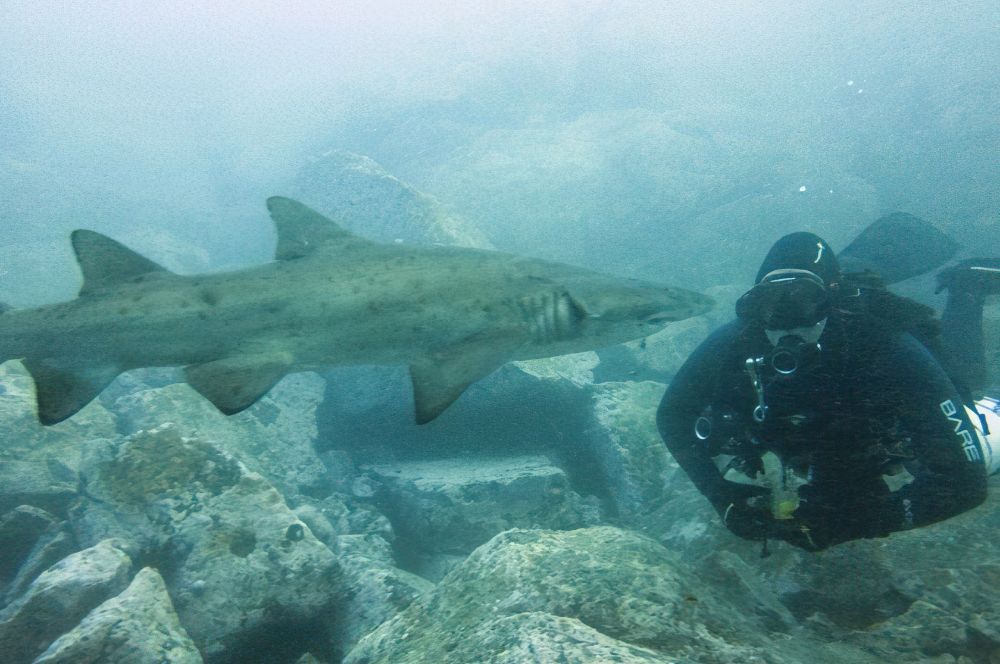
330, 298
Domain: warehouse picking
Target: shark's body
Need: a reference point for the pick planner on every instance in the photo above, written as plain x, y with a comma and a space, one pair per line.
331, 298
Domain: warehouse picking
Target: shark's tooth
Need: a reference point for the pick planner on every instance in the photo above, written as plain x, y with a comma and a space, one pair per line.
106, 263
61, 392
236, 383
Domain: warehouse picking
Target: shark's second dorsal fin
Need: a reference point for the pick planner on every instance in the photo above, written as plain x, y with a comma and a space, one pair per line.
106, 262
301, 230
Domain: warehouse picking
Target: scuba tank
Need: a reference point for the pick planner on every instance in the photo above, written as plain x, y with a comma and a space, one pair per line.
986, 422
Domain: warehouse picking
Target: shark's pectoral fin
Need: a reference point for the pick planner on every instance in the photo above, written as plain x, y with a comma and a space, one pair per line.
62, 391
236, 383
439, 380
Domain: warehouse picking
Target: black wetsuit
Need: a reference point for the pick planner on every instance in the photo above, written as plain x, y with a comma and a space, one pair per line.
871, 403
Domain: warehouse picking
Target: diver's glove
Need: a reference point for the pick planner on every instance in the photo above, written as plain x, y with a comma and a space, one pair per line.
749, 514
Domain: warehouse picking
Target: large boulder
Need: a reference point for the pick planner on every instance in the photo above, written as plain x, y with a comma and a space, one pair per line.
357, 192
615, 591
274, 437
60, 597
237, 559
136, 627
454, 505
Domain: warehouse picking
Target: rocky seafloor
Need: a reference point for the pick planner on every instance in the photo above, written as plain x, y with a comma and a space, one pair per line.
540, 519
150, 528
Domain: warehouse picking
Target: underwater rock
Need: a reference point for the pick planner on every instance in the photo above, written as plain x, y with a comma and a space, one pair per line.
25, 440
47, 485
617, 583
451, 506
542, 638
274, 437
50, 548
937, 589
136, 627
358, 193
374, 591
20, 529
635, 463
239, 559
337, 516
60, 597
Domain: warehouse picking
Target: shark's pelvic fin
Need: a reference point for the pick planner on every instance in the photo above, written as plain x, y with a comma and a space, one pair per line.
62, 392
106, 263
236, 383
302, 230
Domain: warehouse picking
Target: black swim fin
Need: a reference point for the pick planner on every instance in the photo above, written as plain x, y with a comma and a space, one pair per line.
898, 246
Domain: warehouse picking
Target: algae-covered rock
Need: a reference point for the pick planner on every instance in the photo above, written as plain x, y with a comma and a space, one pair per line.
60, 597
237, 557
274, 437
589, 593
137, 626
542, 638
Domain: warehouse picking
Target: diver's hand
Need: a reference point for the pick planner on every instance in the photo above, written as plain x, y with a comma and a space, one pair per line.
749, 516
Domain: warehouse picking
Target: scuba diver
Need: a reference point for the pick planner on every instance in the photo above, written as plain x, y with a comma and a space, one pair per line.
832, 409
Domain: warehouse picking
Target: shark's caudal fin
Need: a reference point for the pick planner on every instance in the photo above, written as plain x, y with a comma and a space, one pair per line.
897, 246
236, 383
302, 230
61, 392
106, 263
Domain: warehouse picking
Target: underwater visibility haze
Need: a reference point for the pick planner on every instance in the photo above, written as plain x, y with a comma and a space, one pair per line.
528, 208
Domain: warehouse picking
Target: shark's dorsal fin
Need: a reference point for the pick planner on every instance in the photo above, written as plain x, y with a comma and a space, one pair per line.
106, 262
236, 383
302, 230
61, 392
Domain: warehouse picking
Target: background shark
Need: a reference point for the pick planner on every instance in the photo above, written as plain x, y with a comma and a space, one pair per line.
330, 298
